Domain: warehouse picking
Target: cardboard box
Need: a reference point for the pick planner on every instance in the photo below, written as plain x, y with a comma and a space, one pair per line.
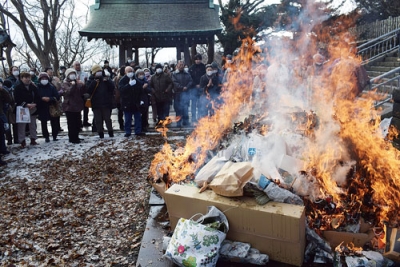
276, 229
358, 239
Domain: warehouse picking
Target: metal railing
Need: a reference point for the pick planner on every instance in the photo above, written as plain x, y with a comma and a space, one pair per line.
384, 85
379, 47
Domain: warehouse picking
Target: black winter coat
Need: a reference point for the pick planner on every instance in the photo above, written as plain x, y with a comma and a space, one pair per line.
181, 79
47, 90
103, 92
130, 96
24, 96
196, 71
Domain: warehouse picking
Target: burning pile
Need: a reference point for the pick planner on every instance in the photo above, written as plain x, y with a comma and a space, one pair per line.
350, 171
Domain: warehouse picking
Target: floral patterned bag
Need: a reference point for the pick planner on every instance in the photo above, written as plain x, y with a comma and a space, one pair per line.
197, 244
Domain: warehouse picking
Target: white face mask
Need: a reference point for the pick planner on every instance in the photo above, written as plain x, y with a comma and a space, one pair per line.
15, 73
44, 82
186, 69
72, 77
159, 70
61, 71
129, 74
210, 72
129, 61
31, 73
147, 74
229, 61
99, 74
141, 77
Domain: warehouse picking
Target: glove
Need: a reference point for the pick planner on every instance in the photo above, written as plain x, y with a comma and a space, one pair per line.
141, 103
132, 82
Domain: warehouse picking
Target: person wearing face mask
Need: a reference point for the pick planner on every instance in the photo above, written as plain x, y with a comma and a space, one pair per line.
48, 95
197, 70
56, 82
101, 90
132, 90
62, 73
72, 91
83, 77
117, 78
161, 85
107, 69
152, 99
146, 98
209, 100
226, 68
33, 73
26, 94
14, 76
182, 82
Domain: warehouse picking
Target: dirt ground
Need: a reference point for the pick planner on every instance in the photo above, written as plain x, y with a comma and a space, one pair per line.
78, 211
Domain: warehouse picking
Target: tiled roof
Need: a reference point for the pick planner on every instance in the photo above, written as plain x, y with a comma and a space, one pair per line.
146, 19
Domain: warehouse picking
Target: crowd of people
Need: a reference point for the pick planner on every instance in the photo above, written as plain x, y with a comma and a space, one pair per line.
131, 89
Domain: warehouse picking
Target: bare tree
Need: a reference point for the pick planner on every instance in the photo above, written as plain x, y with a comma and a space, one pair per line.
39, 21
50, 33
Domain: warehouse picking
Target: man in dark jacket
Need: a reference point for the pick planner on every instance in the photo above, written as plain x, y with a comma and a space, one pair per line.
196, 71
161, 84
101, 91
182, 82
131, 91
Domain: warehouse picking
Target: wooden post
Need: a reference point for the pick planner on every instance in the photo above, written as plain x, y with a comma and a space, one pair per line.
137, 55
210, 50
186, 55
122, 54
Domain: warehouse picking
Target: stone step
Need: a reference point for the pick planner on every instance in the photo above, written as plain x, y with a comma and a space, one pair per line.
392, 64
392, 59
373, 74
378, 68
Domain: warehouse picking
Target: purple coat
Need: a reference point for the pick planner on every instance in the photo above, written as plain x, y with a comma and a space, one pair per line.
73, 96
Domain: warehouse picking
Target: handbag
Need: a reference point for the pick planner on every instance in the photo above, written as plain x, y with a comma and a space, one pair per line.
88, 102
22, 115
197, 243
55, 109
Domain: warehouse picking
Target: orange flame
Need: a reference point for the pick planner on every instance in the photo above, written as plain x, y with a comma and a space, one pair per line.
347, 132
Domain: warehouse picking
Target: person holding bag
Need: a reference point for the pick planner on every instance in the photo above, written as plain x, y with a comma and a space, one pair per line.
73, 90
26, 95
48, 96
101, 89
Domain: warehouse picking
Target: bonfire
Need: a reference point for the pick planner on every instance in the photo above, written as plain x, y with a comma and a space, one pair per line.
350, 170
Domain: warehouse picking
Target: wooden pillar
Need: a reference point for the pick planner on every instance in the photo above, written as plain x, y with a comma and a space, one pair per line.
128, 47
193, 52
122, 54
186, 54
178, 52
137, 55
210, 50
